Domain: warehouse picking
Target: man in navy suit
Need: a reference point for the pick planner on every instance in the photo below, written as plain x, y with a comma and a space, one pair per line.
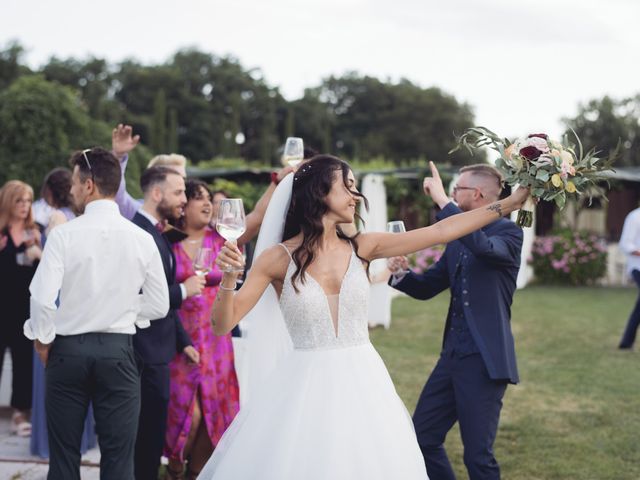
164, 199
478, 356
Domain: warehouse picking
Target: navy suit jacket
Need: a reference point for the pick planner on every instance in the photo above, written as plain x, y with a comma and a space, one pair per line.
160, 342
489, 260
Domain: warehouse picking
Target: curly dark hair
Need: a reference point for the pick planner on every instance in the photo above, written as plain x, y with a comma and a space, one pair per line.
311, 184
193, 189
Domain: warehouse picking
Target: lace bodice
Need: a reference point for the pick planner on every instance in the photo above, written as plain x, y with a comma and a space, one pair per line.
307, 314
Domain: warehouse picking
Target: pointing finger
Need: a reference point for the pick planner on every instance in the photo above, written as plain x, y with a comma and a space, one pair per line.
434, 170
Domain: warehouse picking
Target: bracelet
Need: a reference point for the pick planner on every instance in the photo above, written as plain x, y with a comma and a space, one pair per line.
274, 178
228, 289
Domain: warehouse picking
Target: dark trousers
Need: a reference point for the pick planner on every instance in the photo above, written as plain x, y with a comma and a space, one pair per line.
98, 368
21, 348
153, 420
459, 389
629, 335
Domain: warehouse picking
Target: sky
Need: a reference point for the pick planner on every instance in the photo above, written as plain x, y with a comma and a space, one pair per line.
522, 65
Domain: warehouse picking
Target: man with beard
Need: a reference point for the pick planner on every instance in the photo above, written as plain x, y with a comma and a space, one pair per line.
164, 199
478, 358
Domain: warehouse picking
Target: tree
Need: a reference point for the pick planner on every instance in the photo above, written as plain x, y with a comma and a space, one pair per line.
42, 124
601, 123
92, 78
159, 123
10, 66
399, 121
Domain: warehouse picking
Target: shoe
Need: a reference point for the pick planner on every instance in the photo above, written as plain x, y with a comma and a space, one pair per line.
19, 424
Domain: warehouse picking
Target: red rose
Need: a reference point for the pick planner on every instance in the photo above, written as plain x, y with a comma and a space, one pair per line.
539, 135
530, 153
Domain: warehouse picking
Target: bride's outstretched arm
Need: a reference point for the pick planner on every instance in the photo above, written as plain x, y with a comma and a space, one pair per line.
231, 306
384, 245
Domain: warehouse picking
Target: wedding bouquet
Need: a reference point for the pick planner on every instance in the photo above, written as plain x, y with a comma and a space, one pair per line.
553, 170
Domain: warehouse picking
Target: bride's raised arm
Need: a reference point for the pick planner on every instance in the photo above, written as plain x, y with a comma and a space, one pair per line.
231, 306
385, 245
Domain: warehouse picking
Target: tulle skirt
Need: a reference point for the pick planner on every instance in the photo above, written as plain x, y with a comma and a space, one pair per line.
323, 414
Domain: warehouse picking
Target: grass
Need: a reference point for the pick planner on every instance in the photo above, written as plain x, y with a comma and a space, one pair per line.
576, 412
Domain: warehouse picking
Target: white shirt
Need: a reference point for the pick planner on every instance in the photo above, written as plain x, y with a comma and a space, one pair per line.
630, 239
98, 263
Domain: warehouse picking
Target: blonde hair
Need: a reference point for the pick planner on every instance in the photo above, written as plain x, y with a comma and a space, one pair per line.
10, 193
168, 160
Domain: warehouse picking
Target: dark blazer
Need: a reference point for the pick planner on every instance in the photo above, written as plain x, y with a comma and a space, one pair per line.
160, 342
489, 260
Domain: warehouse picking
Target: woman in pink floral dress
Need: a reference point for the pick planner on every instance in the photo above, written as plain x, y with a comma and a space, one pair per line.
204, 397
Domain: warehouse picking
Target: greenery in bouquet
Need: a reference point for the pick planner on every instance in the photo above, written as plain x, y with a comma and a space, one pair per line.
575, 258
422, 260
553, 170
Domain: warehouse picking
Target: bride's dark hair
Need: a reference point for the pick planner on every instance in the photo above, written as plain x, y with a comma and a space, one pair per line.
311, 184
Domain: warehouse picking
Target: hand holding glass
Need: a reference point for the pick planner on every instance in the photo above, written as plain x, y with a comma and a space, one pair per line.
293, 151
397, 226
231, 223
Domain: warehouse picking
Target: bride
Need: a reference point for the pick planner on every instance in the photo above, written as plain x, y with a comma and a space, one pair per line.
322, 404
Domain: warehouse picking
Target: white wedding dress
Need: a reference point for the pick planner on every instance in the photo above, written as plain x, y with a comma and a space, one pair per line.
329, 410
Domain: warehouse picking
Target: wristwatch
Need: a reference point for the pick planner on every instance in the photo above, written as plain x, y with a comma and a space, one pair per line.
274, 178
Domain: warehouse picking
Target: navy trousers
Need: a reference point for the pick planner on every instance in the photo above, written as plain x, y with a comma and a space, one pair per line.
154, 389
629, 335
459, 389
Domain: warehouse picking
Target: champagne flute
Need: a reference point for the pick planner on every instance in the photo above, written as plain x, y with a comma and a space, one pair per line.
396, 226
293, 151
231, 224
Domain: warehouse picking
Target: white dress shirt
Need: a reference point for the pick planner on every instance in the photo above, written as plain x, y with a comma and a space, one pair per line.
630, 239
98, 263
155, 221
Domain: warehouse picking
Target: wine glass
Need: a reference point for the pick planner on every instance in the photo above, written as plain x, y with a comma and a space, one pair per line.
230, 223
203, 261
293, 151
397, 226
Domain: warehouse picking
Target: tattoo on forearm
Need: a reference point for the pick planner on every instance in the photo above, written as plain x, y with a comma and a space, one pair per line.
496, 207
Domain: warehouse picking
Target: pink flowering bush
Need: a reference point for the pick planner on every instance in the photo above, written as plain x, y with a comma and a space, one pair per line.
573, 258
422, 260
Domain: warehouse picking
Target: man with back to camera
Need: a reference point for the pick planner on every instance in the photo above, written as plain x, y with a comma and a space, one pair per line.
478, 359
86, 343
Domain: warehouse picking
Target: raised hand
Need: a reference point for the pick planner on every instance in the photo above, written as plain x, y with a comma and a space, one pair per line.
285, 171
434, 188
123, 140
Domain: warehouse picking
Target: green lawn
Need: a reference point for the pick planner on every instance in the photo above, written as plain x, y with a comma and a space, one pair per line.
576, 412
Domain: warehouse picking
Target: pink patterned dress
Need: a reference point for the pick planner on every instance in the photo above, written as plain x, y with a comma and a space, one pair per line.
214, 380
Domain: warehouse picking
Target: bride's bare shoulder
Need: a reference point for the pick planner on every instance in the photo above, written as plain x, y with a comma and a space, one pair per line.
274, 261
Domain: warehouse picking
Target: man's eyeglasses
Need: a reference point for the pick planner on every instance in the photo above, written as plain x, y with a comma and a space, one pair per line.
457, 188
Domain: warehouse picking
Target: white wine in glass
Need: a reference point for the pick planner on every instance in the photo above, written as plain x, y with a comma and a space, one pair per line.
396, 226
231, 224
203, 261
293, 151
